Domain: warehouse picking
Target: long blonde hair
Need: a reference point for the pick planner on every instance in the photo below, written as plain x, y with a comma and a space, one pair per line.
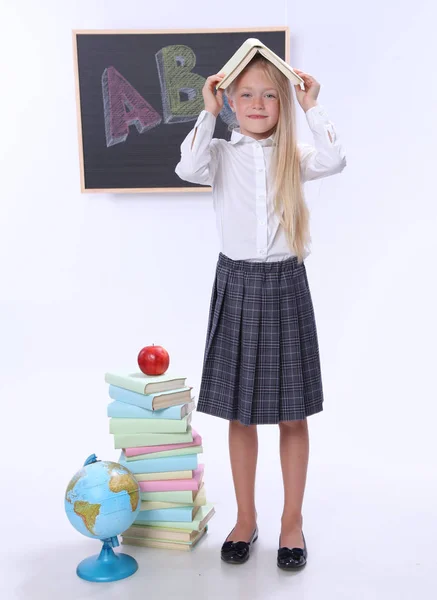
289, 201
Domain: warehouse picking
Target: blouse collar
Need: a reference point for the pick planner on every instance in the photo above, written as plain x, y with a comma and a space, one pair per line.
237, 137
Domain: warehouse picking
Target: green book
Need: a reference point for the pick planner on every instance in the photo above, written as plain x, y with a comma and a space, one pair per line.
135, 440
204, 514
149, 425
145, 384
179, 452
187, 496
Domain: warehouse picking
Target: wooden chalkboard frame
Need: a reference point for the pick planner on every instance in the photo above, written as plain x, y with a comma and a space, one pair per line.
251, 31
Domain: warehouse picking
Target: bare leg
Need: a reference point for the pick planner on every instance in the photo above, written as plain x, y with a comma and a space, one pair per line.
243, 451
294, 448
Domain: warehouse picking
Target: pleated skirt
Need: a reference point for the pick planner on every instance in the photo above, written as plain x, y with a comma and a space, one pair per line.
261, 362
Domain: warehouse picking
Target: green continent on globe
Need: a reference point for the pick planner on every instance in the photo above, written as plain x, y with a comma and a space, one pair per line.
121, 480
88, 513
72, 483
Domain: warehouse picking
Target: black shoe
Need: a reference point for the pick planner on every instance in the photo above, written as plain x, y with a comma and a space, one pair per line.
292, 558
238, 552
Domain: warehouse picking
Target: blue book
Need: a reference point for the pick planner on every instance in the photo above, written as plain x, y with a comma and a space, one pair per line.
151, 401
182, 514
186, 462
122, 410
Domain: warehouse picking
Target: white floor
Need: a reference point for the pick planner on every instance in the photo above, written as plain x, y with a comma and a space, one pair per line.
371, 535
370, 512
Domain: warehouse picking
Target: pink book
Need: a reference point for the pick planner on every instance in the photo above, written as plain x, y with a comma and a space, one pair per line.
174, 485
197, 441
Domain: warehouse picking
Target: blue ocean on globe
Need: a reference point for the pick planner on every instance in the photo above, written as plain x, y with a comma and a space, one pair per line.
102, 499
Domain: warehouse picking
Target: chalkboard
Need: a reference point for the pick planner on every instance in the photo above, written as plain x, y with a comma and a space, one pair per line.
138, 95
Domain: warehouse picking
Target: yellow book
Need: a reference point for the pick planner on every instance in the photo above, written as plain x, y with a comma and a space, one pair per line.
162, 543
244, 55
166, 534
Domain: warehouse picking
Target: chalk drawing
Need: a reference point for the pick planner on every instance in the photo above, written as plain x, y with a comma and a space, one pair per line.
181, 89
123, 106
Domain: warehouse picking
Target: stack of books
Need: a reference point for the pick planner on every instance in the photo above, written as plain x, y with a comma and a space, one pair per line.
150, 419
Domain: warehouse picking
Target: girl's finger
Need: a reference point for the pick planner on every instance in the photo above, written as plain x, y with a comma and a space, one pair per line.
302, 73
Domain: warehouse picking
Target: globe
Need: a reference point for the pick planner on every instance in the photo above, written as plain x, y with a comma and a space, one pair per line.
101, 501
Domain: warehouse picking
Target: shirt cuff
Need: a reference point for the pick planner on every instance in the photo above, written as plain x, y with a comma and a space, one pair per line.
206, 116
317, 114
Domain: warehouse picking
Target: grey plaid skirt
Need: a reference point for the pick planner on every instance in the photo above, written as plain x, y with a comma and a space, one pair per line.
261, 362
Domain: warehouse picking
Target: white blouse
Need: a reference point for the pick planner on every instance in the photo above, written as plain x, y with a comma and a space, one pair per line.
237, 170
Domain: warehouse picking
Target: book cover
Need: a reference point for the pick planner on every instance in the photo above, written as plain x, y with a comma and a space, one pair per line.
158, 505
187, 497
123, 440
156, 465
145, 384
185, 513
131, 452
119, 426
199, 500
161, 533
149, 401
164, 544
123, 410
174, 485
180, 452
244, 55
165, 475
204, 515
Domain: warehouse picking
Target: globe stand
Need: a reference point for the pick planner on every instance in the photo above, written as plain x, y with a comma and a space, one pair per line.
107, 566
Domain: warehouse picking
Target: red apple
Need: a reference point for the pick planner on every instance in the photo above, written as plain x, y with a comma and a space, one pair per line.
153, 360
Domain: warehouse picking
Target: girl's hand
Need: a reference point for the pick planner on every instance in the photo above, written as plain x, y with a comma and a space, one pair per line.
307, 98
213, 102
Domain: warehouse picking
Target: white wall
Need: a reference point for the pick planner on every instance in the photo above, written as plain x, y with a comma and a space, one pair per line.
87, 280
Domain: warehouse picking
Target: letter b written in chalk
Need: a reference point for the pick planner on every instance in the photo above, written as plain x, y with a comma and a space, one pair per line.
181, 89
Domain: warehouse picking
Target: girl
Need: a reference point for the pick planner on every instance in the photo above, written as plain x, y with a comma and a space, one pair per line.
261, 362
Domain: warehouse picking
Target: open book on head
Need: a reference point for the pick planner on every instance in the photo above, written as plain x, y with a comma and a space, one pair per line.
244, 55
